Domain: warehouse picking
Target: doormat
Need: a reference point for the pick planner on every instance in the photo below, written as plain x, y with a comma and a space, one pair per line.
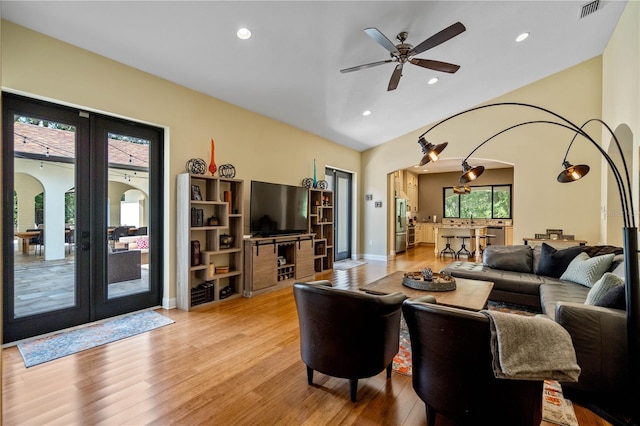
343, 265
56, 346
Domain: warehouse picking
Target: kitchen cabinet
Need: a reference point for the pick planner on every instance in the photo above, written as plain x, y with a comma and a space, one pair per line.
419, 239
429, 237
412, 191
424, 233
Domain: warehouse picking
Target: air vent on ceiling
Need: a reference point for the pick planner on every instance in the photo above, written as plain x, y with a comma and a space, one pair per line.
588, 8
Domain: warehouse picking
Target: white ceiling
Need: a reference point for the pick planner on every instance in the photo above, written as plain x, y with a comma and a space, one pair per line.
289, 69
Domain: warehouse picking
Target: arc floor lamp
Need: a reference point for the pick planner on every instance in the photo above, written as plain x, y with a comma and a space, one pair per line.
572, 173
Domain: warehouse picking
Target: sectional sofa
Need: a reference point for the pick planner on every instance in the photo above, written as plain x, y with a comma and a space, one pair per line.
540, 278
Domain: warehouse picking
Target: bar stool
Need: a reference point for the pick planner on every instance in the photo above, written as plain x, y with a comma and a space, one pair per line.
463, 249
447, 249
488, 237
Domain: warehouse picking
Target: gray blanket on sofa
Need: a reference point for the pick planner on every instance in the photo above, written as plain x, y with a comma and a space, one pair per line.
531, 348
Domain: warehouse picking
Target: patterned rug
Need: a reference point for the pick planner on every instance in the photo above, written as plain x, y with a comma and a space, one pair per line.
555, 408
48, 348
402, 361
343, 265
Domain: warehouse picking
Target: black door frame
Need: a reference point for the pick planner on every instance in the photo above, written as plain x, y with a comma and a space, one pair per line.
90, 185
335, 173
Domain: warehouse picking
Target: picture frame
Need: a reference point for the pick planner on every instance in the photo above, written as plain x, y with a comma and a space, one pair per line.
195, 193
542, 236
554, 231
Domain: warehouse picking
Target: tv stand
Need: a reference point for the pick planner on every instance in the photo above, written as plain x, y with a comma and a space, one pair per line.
275, 262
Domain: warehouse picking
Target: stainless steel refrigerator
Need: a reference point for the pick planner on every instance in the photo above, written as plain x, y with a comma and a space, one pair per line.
401, 225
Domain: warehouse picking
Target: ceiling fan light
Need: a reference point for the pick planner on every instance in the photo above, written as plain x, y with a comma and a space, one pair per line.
572, 173
470, 173
431, 152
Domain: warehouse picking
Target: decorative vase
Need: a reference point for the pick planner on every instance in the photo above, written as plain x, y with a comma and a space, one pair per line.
212, 164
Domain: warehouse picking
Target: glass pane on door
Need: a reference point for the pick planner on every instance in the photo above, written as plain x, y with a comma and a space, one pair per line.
43, 216
127, 208
342, 237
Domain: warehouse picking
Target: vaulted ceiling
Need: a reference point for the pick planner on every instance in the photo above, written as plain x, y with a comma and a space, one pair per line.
289, 70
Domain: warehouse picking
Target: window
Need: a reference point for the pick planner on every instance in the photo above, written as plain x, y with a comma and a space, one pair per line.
483, 202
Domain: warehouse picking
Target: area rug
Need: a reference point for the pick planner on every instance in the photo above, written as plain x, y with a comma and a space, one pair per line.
48, 348
343, 265
555, 408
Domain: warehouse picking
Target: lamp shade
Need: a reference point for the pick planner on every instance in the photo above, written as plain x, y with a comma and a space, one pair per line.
572, 173
470, 173
431, 152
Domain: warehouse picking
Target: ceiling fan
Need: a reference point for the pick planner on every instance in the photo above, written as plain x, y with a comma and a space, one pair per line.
404, 52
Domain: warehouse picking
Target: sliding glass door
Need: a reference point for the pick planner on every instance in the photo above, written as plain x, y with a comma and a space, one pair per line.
70, 179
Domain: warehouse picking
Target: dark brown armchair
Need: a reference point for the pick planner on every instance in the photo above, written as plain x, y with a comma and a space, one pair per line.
347, 334
452, 369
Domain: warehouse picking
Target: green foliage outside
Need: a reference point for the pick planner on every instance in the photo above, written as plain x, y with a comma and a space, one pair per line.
484, 202
69, 208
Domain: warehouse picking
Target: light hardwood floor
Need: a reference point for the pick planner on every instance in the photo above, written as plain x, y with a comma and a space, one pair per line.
236, 363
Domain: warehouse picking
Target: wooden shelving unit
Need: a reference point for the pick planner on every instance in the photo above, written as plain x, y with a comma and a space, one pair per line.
198, 281
321, 224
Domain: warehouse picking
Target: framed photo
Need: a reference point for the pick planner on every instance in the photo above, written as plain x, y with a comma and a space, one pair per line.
554, 231
542, 236
195, 193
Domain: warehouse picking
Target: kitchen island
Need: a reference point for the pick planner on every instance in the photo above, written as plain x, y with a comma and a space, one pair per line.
458, 229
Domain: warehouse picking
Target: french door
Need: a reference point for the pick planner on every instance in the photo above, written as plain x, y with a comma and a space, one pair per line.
71, 179
340, 182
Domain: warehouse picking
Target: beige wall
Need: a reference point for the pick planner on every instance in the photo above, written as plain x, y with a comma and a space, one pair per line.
621, 108
535, 151
430, 186
258, 147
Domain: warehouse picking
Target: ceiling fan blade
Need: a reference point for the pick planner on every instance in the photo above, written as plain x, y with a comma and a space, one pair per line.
395, 78
439, 38
382, 40
436, 65
361, 67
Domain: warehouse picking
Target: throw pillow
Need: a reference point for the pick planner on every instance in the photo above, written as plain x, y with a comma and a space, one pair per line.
509, 258
142, 243
554, 262
614, 298
587, 270
602, 286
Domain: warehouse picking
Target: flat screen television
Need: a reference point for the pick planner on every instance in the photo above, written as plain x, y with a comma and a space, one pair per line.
278, 209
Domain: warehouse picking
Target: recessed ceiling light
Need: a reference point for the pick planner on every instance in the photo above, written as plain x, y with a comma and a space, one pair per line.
367, 112
522, 37
433, 80
244, 33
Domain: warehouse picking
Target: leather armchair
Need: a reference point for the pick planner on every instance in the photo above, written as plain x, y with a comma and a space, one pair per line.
347, 334
452, 369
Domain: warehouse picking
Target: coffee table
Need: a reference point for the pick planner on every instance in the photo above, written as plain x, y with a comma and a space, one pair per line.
469, 294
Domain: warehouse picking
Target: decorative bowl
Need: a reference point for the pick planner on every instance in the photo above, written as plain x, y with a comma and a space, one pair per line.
439, 282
